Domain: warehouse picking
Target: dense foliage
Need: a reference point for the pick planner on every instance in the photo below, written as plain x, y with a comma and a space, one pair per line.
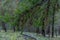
36, 13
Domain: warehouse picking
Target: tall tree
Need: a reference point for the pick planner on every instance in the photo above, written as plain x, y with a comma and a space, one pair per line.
53, 15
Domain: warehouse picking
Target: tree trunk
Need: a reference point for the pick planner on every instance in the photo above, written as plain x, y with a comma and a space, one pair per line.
14, 29
4, 27
37, 30
53, 16
3, 23
43, 28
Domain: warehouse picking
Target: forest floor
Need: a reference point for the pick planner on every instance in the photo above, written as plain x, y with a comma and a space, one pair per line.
25, 36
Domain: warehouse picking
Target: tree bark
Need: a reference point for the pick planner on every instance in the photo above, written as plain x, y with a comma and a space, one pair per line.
43, 27
4, 27
53, 17
3, 23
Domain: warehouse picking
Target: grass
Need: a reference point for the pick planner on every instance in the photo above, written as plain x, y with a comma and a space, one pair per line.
18, 36
10, 36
